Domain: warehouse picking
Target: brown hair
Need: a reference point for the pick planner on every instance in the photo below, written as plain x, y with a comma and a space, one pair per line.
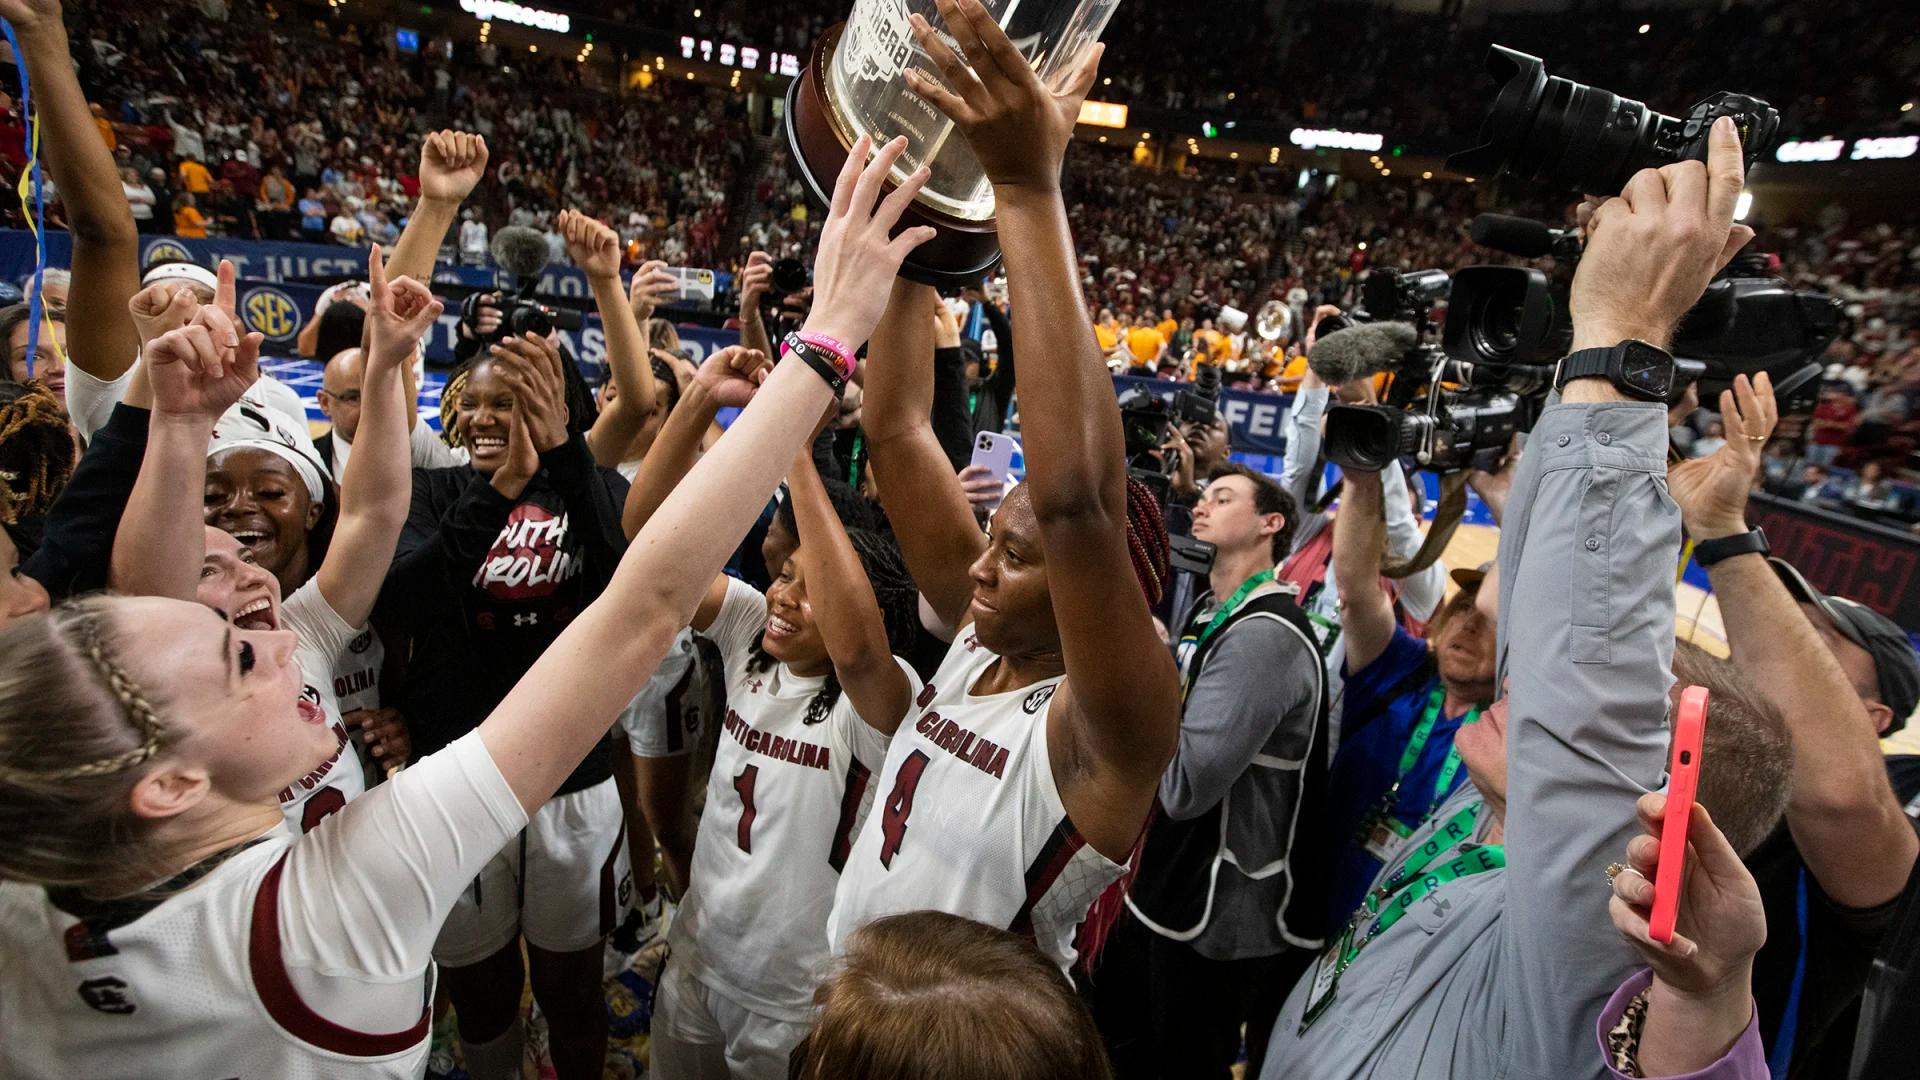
74, 730
1746, 759
932, 996
1268, 498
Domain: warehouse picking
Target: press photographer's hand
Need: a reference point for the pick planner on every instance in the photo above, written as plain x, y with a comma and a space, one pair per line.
1651, 252
1018, 126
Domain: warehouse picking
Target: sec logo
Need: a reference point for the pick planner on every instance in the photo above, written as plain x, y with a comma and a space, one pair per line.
271, 312
166, 251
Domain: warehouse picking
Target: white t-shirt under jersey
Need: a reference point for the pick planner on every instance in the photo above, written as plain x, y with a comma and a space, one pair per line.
968, 819
298, 958
324, 636
784, 801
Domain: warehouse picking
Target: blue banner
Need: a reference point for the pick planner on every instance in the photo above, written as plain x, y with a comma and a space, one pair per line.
1256, 420
281, 262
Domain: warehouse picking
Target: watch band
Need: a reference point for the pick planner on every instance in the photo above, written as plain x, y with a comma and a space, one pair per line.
1587, 363
1751, 542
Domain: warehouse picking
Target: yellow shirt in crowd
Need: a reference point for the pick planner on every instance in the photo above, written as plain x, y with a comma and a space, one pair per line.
195, 177
1109, 336
1145, 343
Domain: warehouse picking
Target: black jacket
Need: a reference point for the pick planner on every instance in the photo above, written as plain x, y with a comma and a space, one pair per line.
484, 584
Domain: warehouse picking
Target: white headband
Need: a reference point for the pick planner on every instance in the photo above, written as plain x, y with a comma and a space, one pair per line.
253, 424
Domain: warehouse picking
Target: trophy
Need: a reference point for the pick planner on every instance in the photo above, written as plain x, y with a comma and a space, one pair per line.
853, 85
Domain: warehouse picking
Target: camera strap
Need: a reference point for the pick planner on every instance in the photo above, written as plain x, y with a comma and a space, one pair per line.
1446, 518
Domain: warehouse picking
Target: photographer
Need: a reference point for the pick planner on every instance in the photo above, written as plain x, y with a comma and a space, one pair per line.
1227, 903
1844, 676
1307, 564
1454, 967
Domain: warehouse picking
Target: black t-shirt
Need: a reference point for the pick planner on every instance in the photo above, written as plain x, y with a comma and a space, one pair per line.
483, 584
1840, 946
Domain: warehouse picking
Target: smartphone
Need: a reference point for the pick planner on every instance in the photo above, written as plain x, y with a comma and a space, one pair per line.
1683, 780
994, 452
694, 284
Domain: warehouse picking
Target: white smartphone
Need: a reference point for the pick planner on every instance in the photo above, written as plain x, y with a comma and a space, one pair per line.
994, 452
695, 284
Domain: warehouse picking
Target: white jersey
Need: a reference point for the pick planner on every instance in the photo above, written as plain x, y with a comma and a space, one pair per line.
324, 636
970, 821
784, 801
671, 715
296, 958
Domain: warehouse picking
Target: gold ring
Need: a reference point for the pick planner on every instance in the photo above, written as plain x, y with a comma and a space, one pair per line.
1756, 438
1614, 870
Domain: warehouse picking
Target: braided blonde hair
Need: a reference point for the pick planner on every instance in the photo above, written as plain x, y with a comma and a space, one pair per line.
75, 727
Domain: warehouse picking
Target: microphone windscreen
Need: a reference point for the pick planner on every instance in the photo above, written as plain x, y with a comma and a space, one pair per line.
1362, 351
520, 251
1520, 236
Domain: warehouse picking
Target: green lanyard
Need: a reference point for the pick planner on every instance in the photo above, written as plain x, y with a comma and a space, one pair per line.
1417, 742
1390, 902
1220, 617
853, 460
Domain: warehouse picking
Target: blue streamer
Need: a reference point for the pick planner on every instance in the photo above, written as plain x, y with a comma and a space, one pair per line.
29, 125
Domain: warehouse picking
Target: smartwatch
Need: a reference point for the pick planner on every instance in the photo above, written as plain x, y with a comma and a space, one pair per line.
1751, 542
1634, 367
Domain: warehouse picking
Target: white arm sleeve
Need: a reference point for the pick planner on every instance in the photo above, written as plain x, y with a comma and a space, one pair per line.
363, 895
90, 402
1421, 593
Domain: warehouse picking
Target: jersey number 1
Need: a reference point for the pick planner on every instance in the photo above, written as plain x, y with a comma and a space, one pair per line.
743, 784
893, 820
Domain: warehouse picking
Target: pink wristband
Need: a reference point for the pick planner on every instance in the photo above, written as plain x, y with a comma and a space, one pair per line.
833, 346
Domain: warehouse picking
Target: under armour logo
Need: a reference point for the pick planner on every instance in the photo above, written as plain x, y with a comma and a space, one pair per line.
973, 643
1441, 905
107, 994
754, 686
529, 619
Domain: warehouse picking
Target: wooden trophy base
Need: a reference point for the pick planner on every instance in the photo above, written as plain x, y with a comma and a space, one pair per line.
960, 254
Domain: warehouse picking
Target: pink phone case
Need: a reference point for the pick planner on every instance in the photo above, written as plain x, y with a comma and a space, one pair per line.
1683, 773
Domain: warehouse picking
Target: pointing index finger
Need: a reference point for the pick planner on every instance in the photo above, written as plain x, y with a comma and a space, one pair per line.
224, 290
1726, 171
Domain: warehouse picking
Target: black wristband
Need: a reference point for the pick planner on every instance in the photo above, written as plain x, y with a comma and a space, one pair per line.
825, 368
1751, 542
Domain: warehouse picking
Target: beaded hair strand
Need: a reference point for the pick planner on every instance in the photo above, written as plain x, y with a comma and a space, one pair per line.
1147, 544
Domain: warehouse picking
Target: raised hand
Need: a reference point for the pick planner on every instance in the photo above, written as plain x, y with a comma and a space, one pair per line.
162, 307
28, 15
593, 247
733, 375
1018, 126
755, 279
651, 286
400, 314
1712, 491
531, 366
451, 164
1651, 252
199, 369
858, 257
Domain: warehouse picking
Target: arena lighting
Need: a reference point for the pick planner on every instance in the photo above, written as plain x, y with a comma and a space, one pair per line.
1644, 27
557, 21
1105, 114
1888, 149
1908, 107
1795, 151
1743, 206
1314, 139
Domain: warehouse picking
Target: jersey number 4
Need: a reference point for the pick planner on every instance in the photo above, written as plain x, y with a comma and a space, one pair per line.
743, 785
893, 820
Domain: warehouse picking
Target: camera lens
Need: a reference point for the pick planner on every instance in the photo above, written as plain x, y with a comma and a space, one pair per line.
1364, 436
529, 319
1564, 133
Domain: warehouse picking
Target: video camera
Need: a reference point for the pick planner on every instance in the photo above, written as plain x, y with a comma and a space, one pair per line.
1455, 403
521, 252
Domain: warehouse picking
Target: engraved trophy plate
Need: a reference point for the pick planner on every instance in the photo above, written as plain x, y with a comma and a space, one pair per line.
854, 86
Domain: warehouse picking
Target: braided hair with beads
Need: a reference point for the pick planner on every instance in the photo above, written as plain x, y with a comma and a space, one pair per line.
1147, 544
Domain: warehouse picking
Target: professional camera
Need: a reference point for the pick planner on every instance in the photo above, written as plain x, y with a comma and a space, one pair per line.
519, 314
1569, 135
521, 252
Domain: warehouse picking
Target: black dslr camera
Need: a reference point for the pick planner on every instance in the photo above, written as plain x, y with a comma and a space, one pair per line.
520, 314
1570, 135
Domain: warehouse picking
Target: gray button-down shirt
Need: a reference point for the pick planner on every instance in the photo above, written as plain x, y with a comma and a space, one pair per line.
1502, 975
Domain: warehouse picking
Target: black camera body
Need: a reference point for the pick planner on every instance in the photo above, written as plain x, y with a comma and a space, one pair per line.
1556, 131
520, 314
